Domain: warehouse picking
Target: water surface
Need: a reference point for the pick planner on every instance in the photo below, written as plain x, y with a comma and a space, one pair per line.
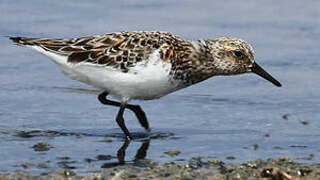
240, 116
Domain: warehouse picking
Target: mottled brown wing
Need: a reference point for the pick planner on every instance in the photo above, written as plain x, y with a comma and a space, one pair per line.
118, 50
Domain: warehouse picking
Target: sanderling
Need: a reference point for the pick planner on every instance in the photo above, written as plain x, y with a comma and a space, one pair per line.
145, 65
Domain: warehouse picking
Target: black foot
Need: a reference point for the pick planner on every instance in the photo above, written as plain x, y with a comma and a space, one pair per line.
140, 114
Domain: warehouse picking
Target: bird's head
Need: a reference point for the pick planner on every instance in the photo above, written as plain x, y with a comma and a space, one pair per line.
234, 56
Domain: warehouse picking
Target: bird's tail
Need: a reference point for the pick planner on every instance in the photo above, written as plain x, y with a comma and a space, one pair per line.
23, 41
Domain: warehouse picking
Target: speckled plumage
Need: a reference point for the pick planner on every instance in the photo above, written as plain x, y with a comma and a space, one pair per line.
191, 62
145, 65
121, 50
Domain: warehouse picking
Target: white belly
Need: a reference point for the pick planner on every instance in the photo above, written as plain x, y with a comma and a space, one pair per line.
147, 80
148, 83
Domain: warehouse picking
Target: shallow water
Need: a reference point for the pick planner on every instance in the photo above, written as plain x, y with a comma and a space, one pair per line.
239, 116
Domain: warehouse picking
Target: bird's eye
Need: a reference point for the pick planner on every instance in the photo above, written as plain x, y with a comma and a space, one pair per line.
238, 54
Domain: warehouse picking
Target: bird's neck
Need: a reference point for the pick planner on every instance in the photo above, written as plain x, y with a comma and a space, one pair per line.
201, 64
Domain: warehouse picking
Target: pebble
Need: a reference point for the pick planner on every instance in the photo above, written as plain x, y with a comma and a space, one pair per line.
172, 153
42, 146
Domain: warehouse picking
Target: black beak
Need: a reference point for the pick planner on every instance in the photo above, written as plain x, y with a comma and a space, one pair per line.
259, 71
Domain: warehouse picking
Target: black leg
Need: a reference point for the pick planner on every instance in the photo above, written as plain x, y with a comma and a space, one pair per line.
135, 108
120, 121
103, 99
140, 115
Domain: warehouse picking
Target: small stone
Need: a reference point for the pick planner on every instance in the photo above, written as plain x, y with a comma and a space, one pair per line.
26, 165
132, 176
285, 159
42, 165
285, 116
107, 140
42, 146
251, 164
304, 171
104, 157
275, 173
79, 136
304, 122
214, 162
172, 153
230, 157
96, 177
69, 173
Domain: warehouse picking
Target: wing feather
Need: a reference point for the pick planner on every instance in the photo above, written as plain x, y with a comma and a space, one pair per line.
118, 50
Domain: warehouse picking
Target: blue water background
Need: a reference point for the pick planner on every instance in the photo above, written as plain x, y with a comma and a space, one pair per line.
223, 116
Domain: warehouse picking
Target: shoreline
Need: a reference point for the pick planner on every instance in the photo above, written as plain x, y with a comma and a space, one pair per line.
278, 169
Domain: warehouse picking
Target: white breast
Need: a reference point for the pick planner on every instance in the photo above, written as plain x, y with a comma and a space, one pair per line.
147, 80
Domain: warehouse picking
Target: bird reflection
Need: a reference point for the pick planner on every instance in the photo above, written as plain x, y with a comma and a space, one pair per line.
141, 154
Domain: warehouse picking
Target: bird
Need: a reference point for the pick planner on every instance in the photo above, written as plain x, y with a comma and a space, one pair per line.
144, 65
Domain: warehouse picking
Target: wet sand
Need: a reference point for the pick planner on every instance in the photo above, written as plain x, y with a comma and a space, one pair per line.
196, 168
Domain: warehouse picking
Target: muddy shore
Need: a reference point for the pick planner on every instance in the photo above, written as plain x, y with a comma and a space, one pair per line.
196, 168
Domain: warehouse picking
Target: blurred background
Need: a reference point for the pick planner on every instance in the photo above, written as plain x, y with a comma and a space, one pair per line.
243, 116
